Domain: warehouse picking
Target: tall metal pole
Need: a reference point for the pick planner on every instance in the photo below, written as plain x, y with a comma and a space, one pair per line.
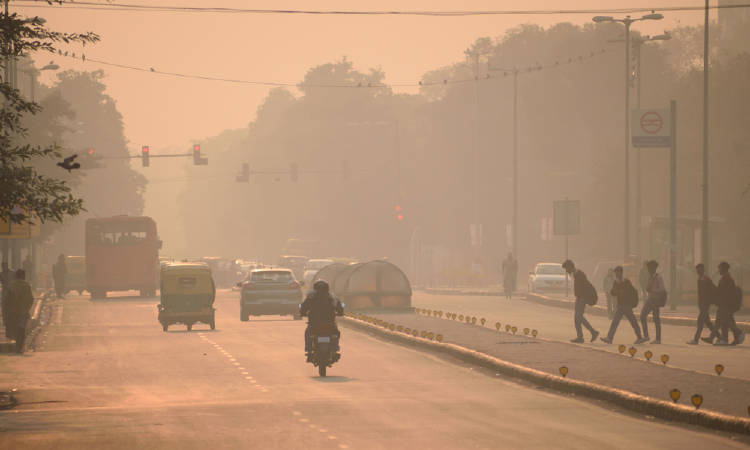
673, 204
514, 227
705, 247
637, 47
626, 206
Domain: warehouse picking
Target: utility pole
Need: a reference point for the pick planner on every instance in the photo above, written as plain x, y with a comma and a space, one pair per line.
627, 21
705, 247
514, 226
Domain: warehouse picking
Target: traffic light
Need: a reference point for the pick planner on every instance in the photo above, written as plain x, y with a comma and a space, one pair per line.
145, 155
197, 159
293, 172
244, 176
399, 213
90, 151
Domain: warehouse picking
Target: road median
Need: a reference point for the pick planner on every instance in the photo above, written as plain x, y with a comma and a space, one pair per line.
628, 382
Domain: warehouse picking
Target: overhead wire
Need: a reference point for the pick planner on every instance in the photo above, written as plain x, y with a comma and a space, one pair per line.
112, 6
504, 72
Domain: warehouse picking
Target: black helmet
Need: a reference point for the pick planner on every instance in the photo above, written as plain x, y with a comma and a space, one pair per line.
321, 286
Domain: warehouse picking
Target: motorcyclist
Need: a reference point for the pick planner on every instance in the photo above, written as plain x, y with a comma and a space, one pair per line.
321, 309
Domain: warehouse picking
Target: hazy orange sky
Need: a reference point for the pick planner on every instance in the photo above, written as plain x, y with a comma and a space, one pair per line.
164, 111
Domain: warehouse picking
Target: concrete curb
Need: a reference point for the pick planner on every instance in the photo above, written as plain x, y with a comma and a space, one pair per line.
629, 400
601, 311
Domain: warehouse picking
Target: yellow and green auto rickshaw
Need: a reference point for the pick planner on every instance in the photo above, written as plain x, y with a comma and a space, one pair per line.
187, 295
75, 278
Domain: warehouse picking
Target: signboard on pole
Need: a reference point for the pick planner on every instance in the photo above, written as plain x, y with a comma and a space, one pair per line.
23, 230
566, 217
651, 128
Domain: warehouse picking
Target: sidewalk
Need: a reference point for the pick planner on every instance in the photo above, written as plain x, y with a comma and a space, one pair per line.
634, 374
684, 315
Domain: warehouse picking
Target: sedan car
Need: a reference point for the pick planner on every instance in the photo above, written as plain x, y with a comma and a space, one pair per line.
547, 277
270, 292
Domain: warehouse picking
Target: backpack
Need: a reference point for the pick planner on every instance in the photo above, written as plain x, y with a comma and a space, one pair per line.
738, 300
590, 296
630, 295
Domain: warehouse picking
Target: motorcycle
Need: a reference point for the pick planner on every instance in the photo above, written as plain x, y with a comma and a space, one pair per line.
324, 346
324, 349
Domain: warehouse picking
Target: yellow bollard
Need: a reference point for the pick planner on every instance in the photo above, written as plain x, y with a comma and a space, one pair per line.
719, 369
696, 400
439, 338
423, 334
430, 335
621, 348
534, 333
648, 355
514, 329
482, 321
674, 394
632, 351
507, 328
461, 318
473, 320
664, 359
400, 328
497, 326
407, 330
563, 371
526, 331
415, 333
392, 327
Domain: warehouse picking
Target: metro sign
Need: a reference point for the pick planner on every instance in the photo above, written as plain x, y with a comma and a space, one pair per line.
651, 128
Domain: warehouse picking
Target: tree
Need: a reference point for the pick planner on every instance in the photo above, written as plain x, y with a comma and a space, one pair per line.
25, 193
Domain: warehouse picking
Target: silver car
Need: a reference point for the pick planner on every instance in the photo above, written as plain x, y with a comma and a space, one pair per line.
270, 292
547, 277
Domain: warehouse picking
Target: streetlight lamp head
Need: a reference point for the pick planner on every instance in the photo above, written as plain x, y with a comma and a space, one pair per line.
661, 37
50, 66
652, 16
598, 19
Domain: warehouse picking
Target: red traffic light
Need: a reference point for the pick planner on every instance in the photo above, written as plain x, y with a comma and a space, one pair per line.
197, 148
145, 156
398, 208
91, 152
144, 149
400, 217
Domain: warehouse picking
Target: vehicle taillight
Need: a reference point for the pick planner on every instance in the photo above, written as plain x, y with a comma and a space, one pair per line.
294, 285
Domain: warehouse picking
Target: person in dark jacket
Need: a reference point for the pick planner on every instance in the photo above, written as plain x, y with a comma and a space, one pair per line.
706, 298
582, 290
607, 284
59, 272
656, 299
726, 299
6, 278
627, 299
20, 300
321, 309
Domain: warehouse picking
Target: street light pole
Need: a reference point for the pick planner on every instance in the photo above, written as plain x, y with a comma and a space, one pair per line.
627, 21
514, 226
626, 242
705, 248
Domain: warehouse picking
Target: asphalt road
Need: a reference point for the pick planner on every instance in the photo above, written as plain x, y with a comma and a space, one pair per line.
106, 376
557, 324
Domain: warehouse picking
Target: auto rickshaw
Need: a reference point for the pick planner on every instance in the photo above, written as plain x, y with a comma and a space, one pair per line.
75, 278
187, 295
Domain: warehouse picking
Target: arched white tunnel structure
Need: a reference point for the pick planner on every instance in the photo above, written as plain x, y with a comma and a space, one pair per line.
370, 285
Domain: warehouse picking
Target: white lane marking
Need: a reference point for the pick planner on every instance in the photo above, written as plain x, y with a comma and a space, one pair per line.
243, 373
343, 446
264, 390
303, 420
323, 430
296, 413
241, 368
333, 438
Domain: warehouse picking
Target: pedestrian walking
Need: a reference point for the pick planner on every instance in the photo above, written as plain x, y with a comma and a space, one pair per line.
59, 272
626, 296
609, 281
585, 294
643, 277
510, 274
6, 277
656, 297
706, 298
729, 300
20, 300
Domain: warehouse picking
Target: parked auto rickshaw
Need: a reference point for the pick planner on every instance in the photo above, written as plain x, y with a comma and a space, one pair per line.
187, 295
75, 278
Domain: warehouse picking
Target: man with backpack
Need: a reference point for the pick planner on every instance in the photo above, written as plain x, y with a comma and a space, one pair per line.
706, 298
627, 299
585, 295
729, 300
656, 299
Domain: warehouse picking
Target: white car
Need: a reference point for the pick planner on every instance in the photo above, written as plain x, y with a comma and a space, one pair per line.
547, 277
311, 269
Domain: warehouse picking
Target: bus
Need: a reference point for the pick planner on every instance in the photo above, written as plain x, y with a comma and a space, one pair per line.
122, 253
